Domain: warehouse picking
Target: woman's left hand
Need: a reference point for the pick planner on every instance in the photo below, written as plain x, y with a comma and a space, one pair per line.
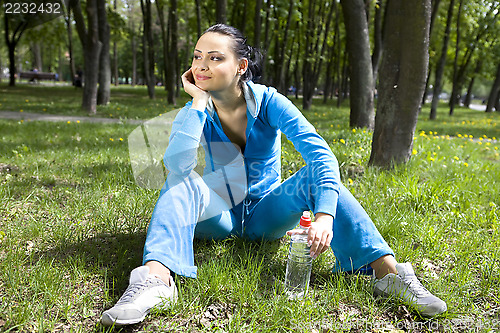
320, 234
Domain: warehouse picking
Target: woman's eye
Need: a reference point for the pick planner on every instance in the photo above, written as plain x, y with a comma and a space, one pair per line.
215, 58
196, 57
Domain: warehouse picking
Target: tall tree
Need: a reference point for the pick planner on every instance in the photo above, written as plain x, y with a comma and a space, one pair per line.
103, 92
454, 92
172, 71
360, 64
402, 81
220, 11
493, 99
441, 63
14, 27
317, 32
148, 47
89, 37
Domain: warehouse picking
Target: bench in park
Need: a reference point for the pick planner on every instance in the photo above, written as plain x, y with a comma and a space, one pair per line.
37, 76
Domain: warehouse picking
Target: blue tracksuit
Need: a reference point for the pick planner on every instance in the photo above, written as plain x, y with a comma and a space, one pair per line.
240, 192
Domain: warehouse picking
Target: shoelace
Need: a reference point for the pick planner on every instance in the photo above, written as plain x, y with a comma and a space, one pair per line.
132, 290
415, 286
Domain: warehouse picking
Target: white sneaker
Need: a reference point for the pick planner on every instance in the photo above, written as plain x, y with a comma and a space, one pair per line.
144, 292
408, 289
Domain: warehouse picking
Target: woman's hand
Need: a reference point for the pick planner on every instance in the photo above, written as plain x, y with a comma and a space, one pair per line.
200, 97
320, 234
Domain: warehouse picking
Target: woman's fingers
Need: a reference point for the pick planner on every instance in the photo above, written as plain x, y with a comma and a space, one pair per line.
319, 241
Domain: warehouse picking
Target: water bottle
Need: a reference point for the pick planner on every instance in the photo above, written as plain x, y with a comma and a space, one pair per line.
298, 267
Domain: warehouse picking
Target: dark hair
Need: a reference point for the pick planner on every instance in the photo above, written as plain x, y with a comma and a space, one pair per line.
242, 50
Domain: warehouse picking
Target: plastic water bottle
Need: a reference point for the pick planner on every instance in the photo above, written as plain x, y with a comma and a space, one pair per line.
298, 267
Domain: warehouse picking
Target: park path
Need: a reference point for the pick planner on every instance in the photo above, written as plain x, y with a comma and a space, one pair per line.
27, 116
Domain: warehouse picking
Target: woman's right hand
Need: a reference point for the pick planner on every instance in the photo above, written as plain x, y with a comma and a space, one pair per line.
200, 96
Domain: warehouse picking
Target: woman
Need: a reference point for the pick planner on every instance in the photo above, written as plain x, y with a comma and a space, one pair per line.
239, 124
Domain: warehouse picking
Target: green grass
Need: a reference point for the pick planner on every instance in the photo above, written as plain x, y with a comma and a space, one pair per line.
73, 223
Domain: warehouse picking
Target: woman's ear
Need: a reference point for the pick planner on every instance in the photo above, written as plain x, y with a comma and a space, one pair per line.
243, 66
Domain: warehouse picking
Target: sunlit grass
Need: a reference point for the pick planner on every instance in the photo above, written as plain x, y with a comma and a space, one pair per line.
73, 223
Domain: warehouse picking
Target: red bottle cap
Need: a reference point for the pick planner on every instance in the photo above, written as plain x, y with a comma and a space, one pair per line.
305, 219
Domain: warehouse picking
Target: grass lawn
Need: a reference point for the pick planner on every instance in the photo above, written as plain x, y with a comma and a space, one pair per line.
73, 224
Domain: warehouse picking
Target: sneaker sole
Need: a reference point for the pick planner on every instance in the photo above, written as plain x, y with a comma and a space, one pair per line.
107, 320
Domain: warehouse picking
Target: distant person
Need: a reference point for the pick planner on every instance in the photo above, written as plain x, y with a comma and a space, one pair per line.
78, 80
227, 107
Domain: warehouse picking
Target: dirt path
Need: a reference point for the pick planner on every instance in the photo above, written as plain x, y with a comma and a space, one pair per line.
52, 117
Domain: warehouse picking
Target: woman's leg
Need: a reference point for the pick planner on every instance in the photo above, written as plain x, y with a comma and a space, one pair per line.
174, 223
356, 241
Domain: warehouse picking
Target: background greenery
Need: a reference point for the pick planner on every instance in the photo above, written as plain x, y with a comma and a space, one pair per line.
73, 223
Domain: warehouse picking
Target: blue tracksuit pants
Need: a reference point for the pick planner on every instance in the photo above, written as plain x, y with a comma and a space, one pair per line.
187, 208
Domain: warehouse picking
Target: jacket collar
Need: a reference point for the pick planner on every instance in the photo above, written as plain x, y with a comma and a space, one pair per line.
251, 92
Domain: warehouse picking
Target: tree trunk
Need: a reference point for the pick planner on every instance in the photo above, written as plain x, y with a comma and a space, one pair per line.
441, 63
494, 93
103, 93
69, 29
377, 39
198, 17
89, 37
360, 64
148, 50
454, 91
258, 22
280, 62
37, 56
402, 80
468, 97
115, 53
11, 45
172, 71
220, 11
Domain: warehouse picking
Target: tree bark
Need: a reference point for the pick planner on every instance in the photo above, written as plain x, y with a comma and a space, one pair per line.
104, 90
69, 29
377, 40
172, 70
280, 62
454, 92
198, 17
402, 80
220, 11
493, 99
468, 97
441, 63
258, 23
148, 50
11, 45
360, 64
115, 53
89, 37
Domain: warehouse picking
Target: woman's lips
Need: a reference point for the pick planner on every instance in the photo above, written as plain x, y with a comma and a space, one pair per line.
202, 77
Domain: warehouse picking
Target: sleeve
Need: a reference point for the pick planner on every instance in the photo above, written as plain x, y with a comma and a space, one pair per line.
324, 168
187, 128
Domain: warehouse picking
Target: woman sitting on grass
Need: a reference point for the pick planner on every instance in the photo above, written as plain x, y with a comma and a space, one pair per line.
231, 116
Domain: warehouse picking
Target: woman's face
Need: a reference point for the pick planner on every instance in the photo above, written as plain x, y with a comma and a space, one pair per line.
215, 66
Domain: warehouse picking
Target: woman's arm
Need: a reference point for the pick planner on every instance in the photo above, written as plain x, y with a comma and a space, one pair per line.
323, 164
187, 128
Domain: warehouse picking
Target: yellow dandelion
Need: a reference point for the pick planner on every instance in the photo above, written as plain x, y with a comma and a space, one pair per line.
455, 158
69, 122
350, 181
121, 139
27, 100
354, 130
466, 164
21, 110
342, 141
431, 159
111, 139
78, 121
44, 109
414, 152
